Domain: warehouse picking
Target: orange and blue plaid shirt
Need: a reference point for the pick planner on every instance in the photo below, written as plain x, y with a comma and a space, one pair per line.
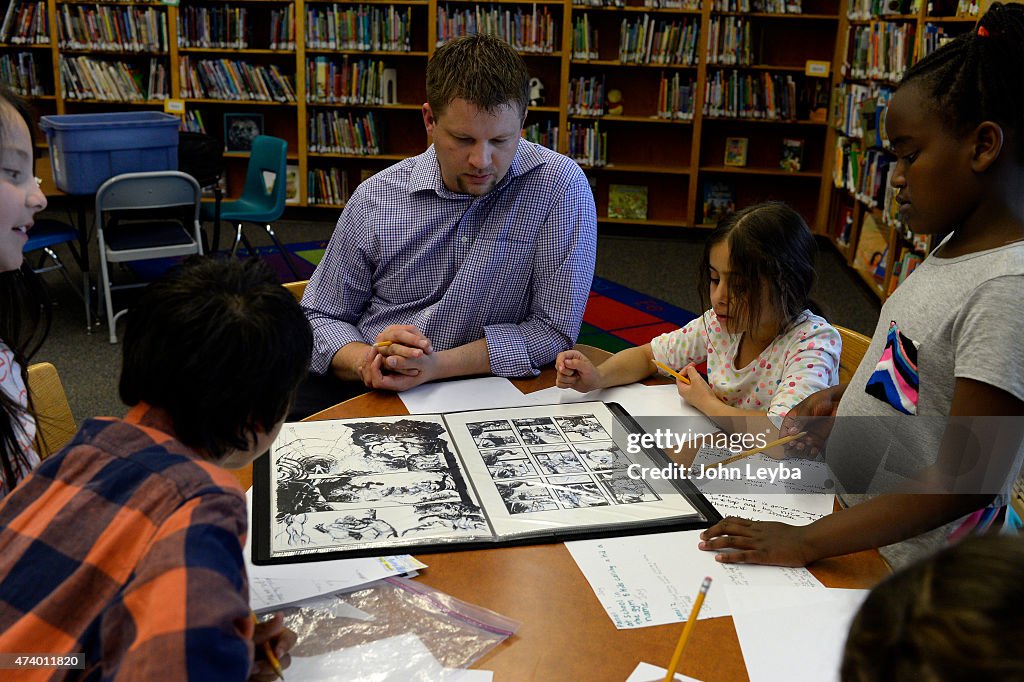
127, 547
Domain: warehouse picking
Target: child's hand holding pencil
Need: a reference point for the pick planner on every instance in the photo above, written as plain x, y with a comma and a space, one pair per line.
272, 642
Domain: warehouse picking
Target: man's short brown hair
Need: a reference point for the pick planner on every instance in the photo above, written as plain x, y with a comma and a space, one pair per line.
481, 69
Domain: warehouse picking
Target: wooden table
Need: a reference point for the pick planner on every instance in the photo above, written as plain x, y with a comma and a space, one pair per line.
565, 633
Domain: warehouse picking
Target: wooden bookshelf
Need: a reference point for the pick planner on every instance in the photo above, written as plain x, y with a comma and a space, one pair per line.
854, 204
673, 157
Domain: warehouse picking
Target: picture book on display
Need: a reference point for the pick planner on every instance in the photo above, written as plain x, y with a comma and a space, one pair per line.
627, 201
462, 480
719, 201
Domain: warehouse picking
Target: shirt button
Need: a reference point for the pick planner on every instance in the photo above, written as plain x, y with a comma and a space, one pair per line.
465, 240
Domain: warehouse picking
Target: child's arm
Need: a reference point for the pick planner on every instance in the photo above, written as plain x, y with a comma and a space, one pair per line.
576, 371
896, 516
731, 419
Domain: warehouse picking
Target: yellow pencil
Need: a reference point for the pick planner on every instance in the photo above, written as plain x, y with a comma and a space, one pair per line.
268, 652
687, 629
382, 344
748, 453
677, 375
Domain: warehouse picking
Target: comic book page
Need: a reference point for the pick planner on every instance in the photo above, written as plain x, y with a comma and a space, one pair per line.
551, 467
357, 483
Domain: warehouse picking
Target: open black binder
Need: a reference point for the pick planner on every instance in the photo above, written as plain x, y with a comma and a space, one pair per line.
462, 480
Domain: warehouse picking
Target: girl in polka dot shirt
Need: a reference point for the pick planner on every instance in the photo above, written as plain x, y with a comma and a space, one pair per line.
765, 348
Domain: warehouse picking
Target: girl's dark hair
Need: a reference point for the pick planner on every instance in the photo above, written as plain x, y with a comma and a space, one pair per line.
24, 324
977, 76
221, 347
955, 616
769, 245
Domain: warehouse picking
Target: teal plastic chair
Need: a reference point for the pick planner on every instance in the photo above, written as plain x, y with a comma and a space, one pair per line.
263, 197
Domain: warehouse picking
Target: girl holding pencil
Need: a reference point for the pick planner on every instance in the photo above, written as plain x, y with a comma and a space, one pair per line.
765, 347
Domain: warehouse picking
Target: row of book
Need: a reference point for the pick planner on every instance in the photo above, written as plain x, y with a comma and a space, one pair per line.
350, 81
588, 146
864, 10
933, 38
729, 41
327, 186
863, 173
231, 28
531, 31
545, 134
113, 81
759, 6
359, 27
22, 74
25, 23
213, 27
331, 132
848, 101
587, 96
744, 95
673, 4
112, 29
882, 49
584, 38
192, 122
675, 97
645, 41
233, 80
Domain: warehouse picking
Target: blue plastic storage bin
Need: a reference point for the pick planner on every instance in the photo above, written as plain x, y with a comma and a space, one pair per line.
88, 149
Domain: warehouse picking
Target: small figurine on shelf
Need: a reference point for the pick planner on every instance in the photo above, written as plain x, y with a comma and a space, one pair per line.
536, 92
615, 104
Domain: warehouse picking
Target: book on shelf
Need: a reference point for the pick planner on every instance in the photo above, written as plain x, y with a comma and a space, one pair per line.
792, 158
359, 27
719, 201
463, 480
736, 151
25, 23
872, 249
291, 195
844, 226
531, 30
627, 201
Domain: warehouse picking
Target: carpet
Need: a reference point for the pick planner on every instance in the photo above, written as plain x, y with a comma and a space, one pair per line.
616, 317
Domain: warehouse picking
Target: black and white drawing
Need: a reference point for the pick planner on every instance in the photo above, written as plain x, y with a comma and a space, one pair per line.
626, 490
375, 485
512, 468
492, 434
601, 456
574, 492
538, 431
560, 461
584, 427
527, 496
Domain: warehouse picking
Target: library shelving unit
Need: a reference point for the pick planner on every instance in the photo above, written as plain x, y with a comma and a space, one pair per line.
877, 48
343, 83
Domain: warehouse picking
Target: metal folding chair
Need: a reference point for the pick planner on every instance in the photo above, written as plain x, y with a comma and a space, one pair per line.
141, 216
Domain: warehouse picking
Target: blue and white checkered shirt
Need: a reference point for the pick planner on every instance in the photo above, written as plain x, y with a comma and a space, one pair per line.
513, 266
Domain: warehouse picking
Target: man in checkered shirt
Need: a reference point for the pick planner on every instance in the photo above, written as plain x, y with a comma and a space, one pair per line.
475, 257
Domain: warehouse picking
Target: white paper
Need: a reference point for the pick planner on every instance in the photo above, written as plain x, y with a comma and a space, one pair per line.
797, 510
281, 584
814, 477
662, 400
817, 619
464, 394
645, 672
396, 659
646, 580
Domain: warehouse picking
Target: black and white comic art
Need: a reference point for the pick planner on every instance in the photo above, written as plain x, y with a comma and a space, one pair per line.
461, 477
351, 483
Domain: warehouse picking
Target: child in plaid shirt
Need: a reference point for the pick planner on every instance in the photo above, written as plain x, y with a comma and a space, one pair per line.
127, 545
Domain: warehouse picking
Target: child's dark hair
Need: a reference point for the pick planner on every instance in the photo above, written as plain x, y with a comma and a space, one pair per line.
769, 245
24, 324
481, 69
219, 345
953, 616
977, 76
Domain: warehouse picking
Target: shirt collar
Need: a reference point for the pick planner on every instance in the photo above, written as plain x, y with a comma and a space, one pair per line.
426, 173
